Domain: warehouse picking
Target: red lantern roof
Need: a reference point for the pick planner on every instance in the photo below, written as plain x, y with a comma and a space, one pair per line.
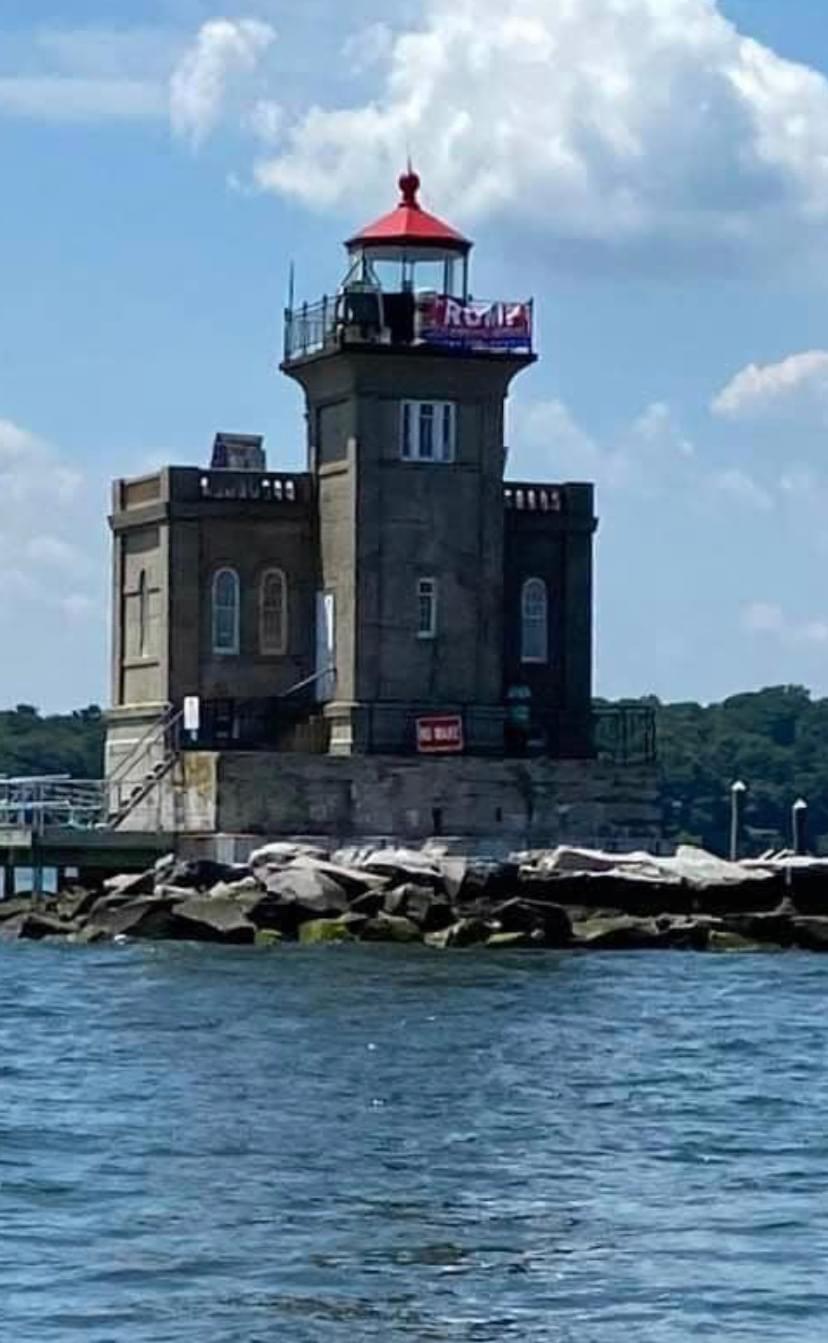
411, 225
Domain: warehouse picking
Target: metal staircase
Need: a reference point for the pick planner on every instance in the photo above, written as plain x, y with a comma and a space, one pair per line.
125, 792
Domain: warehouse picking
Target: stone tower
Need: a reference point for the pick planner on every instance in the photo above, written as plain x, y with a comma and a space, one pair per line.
405, 380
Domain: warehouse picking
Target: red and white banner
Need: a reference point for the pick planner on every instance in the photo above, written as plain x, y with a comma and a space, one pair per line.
440, 734
475, 326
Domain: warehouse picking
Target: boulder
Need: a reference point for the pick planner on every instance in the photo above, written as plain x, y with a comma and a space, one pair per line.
231, 890
213, 918
508, 941
198, 874
74, 904
316, 931
421, 904
811, 933
776, 927
401, 865
149, 916
390, 928
283, 852
624, 934
465, 933
310, 893
131, 884
550, 923
484, 879
722, 940
15, 908
273, 912
34, 926
268, 937
368, 904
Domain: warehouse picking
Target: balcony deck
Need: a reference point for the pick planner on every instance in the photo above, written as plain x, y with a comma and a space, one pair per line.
427, 322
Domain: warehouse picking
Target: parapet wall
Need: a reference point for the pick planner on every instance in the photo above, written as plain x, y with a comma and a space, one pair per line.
517, 802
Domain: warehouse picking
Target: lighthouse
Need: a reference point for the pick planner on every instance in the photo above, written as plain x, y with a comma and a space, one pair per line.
397, 599
424, 608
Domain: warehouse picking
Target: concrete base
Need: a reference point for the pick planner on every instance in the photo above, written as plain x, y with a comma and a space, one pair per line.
505, 803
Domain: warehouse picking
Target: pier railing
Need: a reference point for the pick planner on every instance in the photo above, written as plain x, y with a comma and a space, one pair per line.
40, 802
625, 734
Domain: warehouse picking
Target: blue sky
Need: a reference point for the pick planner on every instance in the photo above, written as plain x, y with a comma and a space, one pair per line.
653, 171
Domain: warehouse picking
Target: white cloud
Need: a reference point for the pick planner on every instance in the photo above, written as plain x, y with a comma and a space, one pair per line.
588, 119
767, 618
86, 74
199, 86
63, 98
738, 487
644, 457
37, 486
801, 378
369, 47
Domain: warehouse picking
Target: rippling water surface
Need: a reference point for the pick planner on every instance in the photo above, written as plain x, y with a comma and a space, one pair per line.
357, 1143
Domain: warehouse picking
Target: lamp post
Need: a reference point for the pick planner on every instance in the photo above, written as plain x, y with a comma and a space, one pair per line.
737, 802
799, 826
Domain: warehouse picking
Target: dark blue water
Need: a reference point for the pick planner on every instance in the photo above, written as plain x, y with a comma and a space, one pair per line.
359, 1143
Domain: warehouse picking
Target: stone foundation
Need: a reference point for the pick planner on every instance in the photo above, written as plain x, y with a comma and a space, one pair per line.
492, 804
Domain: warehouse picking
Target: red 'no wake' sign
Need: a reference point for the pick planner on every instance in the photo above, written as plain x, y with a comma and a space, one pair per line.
440, 734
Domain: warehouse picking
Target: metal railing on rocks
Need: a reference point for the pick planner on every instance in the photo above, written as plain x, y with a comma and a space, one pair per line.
39, 802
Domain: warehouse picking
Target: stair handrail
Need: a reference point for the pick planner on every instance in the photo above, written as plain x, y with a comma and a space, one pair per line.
142, 745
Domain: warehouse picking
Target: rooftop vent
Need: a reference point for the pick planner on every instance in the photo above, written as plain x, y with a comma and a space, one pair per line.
238, 452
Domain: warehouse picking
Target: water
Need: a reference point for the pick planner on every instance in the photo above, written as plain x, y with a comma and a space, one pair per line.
389, 1144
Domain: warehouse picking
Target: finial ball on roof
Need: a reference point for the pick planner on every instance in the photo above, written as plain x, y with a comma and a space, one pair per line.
409, 186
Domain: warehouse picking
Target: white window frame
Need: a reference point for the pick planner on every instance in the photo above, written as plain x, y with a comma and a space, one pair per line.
220, 649
427, 592
534, 621
428, 431
267, 646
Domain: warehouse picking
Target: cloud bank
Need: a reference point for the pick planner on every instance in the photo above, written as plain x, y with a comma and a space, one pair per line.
610, 120
223, 50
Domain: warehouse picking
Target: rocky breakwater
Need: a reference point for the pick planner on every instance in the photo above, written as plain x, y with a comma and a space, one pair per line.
563, 898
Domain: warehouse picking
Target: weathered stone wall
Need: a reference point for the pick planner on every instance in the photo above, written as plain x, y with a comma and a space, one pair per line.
524, 803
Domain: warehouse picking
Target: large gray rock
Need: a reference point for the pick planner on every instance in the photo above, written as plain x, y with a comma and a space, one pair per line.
214, 919
150, 916
315, 891
550, 924
469, 932
281, 853
131, 884
34, 926
199, 874
811, 933
421, 904
390, 928
400, 865
624, 934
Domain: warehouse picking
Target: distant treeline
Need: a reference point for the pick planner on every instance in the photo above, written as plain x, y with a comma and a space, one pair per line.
775, 740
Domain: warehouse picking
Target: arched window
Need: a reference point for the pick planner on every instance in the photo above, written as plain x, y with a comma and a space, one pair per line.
534, 622
226, 612
143, 615
273, 613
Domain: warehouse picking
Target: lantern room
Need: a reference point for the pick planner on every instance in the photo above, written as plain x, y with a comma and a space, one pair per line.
407, 285
410, 250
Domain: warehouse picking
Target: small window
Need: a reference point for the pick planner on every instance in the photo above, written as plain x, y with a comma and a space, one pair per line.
143, 615
534, 637
429, 431
273, 613
426, 608
226, 612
